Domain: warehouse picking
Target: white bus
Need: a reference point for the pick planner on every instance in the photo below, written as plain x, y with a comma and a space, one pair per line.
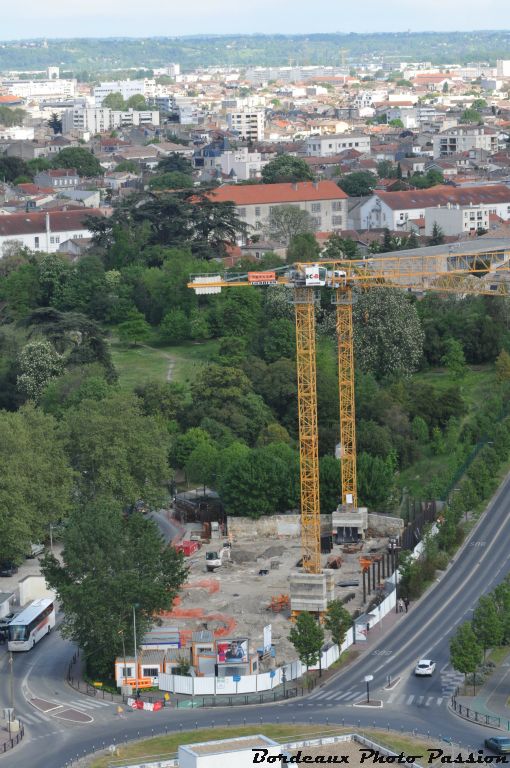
28, 627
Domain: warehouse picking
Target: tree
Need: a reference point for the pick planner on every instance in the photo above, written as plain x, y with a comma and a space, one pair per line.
307, 637
202, 464
487, 623
340, 248
79, 158
465, 651
303, 247
137, 102
112, 565
38, 362
12, 116
286, 168
134, 330
358, 184
503, 367
329, 472
116, 451
171, 180
175, 327
375, 480
454, 360
338, 621
127, 166
36, 481
388, 335
174, 162
114, 101
471, 116
286, 221
55, 123
12, 167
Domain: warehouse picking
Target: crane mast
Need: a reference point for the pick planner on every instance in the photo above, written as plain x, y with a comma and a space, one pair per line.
304, 307
344, 335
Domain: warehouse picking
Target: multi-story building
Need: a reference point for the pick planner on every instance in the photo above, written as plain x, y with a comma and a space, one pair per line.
103, 119
462, 138
241, 163
127, 88
458, 219
247, 123
40, 89
324, 200
45, 231
57, 178
322, 146
396, 209
503, 68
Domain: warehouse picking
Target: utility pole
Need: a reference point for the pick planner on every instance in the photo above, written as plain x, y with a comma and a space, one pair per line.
136, 650
11, 677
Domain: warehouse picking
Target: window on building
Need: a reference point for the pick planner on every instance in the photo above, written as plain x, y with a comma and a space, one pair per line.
57, 239
52, 240
336, 206
36, 242
316, 207
150, 671
336, 221
257, 211
127, 672
241, 211
316, 221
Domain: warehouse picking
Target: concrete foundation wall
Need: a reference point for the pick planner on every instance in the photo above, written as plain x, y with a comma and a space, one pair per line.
273, 525
385, 525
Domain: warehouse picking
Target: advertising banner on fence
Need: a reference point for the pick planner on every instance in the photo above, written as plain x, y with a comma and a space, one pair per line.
233, 651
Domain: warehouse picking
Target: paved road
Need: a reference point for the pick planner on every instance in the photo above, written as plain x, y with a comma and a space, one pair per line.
415, 703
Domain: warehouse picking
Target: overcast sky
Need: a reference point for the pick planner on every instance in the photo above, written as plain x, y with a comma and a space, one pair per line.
107, 18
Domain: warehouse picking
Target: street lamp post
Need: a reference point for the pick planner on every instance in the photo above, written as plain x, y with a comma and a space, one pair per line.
368, 679
284, 681
11, 679
136, 648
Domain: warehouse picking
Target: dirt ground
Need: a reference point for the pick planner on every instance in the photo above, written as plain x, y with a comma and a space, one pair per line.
238, 590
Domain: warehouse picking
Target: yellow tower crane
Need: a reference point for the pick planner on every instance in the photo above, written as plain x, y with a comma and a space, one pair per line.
460, 273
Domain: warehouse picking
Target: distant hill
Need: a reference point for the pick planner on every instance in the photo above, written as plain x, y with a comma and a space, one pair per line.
92, 55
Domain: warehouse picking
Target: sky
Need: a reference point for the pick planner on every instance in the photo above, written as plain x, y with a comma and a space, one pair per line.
112, 18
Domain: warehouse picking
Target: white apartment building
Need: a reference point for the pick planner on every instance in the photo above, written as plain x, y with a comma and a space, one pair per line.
462, 138
324, 200
40, 89
171, 70
243, 163
456, 219
249, 124
395, 209
324, 146
16, 133
127, 88
103, 119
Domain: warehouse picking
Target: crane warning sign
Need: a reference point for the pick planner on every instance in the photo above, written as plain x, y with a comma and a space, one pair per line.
262, 278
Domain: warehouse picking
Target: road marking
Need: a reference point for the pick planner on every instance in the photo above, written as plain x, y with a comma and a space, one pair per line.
410, 700
352, 696
333, 696
429, 699
390, 698
439, 701
88, 704
420, 700
317, 695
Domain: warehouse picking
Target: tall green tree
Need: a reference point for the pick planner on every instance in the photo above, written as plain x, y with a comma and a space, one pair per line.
338, 621
111, 566
307, 637
286, 168
437, 237
454, 360
115, 450
466, 653
358, 183
85, 163
36, 479
487, 623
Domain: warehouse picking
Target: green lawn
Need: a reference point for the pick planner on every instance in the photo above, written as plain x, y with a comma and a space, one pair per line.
163, 747
138, 364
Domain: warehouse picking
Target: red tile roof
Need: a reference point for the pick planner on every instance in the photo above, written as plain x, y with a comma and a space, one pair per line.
260, 194
33, 223
444, 194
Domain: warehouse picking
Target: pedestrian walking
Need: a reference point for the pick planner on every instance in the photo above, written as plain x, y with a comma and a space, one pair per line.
400, 605
406, 603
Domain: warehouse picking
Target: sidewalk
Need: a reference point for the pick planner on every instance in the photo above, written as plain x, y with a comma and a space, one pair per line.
492, 696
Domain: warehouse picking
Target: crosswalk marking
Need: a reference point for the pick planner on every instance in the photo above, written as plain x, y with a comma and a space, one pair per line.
317, 695
429, 699
390, 698
33, 719
420, 700
332, 696
87, 704
410, 699
439, 701
352, 696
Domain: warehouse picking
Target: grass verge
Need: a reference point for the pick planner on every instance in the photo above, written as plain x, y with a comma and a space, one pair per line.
164, 746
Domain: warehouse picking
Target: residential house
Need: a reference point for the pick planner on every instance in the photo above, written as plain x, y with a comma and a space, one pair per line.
458, 219
324, 200
322, 146
395, 209
57, 178
45, 231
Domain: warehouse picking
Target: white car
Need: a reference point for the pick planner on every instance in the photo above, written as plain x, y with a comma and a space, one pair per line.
425, 668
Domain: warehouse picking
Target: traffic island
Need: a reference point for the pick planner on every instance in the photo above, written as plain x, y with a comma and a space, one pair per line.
372, 704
